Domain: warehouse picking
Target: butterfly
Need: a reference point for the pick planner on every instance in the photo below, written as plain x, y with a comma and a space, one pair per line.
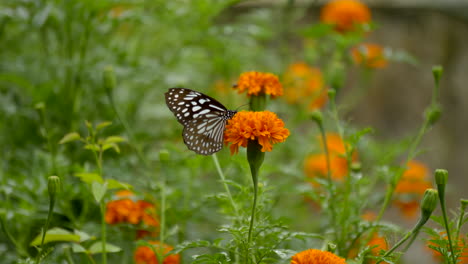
204, 119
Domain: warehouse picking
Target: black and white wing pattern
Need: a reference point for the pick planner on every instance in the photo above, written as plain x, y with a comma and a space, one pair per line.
204, 119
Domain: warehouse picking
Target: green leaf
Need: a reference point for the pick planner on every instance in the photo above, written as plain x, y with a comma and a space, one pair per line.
93, 147
56, 234
111, 145
97, 248
89, 177
73, 136
114, 184
103, 125
99, 190
77, 248
114, 139
83, 236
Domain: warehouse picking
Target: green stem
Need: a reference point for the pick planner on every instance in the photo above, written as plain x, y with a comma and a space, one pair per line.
46, 227
103, 232
223, 180
441, 192
162, 226
252, 217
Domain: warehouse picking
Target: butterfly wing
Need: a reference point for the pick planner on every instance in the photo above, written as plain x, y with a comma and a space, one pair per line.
203, 118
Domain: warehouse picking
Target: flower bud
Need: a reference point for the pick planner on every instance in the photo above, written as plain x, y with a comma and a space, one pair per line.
331, 247
437, 73
429, 202
441, 176
317, 117
356, 166
464, 203
331, 93
53, 185
433, 114
109, 81
164, 155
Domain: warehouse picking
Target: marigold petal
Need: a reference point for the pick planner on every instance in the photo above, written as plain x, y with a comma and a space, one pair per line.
256, 83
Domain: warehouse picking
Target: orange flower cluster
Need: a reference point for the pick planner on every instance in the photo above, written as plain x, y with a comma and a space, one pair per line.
264, 126
315, 256
459, 245
369, 55
303, 82
256, 83
411, 187
126, 210
316, 164
345, 14
145, 255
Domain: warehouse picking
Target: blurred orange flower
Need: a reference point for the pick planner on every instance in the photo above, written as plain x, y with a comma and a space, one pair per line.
369, 55
256, 83
145, 255
316, 165
460, 245
264, 126
304, 84
315, 256
410, 189
376, 243
345, 14
126, 210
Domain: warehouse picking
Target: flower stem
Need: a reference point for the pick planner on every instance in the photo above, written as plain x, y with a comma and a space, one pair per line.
46, 227
441, 191
103, 231
223, 180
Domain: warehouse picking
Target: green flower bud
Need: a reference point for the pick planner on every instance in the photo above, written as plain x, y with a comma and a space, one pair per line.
317, 116
109, 81
164, 155
53, 185
429, 202
356, 166
464, 202
331, 93
437, 73
433, 114
441, 176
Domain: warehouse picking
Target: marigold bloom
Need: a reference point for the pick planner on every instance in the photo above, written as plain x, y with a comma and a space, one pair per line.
459, 245
256, 83
376, 243
345, 14
316, 165
411, 188
304, 84
369, 55
315, 256
145, 255
264, 126
126, 210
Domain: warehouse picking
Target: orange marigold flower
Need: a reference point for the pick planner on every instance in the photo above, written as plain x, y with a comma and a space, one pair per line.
145, 255
256, 83
376, 243
369, 55
305, 84
411, 187
126, 210
264, 126
315, 256
345, 14
460, 245
316, 165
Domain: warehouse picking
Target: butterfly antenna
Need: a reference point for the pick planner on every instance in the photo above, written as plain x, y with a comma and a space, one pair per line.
241, 106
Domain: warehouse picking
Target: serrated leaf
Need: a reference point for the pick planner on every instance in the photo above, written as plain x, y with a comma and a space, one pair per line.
97, 247
114, 139
73, 136
103, 125
115, 184
56, 234
89, 177
99, 190
77, 248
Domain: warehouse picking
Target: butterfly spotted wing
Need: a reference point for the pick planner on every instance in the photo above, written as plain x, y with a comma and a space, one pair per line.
204, 119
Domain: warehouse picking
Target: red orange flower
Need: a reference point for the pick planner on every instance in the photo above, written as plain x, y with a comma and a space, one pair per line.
305, 84
345, 14
411, 187
256, 83
315, 256
126, 210
369, 55
145, 255
264, 126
